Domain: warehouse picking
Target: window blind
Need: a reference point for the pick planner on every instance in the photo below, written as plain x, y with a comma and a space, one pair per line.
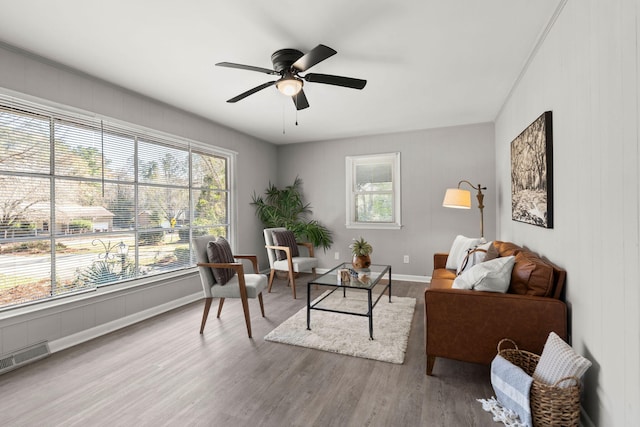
85, 203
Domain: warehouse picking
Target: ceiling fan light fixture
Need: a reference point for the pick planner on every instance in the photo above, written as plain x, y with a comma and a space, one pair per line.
287, 63
289, 85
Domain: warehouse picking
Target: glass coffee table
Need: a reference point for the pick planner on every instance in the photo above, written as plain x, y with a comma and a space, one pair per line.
368, 280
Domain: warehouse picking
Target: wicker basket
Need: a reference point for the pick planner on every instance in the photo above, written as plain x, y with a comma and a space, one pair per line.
550, 405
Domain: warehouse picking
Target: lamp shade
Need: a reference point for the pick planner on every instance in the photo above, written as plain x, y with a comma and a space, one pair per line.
289, 86
457, 198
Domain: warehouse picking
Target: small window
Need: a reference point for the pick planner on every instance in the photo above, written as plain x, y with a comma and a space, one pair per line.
373, 191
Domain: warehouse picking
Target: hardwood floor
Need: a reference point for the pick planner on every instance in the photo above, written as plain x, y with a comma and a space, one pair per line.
162, 372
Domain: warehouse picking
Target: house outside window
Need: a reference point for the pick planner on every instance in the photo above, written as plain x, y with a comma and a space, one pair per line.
85, 203
373, 191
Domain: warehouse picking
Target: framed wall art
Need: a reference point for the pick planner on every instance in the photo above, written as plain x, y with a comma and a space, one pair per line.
532, 174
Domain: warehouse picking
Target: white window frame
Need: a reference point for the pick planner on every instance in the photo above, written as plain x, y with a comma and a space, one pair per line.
54, 111
351, 192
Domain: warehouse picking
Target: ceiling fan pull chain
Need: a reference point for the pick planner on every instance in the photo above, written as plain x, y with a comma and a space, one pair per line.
283, 132
296, 109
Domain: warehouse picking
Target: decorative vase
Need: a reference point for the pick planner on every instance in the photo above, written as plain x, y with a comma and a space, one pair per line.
361, 261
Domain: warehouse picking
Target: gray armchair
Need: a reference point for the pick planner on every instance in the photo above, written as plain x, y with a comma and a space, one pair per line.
242, 285
291, 264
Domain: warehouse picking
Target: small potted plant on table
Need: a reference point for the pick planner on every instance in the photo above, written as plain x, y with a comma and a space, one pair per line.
361, 250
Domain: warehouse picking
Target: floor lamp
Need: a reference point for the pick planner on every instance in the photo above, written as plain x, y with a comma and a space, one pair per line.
461, 199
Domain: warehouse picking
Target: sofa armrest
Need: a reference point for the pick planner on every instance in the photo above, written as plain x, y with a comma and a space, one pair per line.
467, 325
440, 260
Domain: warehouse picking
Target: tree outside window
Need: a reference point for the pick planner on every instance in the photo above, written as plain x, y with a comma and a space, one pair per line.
84, 204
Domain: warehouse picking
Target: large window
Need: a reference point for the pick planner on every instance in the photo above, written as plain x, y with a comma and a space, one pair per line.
373, 191
85, 204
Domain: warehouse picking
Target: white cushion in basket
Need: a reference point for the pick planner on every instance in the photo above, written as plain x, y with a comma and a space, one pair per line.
557, 361
491, 276
459, 250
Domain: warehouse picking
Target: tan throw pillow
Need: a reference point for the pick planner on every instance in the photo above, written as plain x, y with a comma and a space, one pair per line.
219, 252
506, 248
531, 276
492, 252
285, 238
558, 361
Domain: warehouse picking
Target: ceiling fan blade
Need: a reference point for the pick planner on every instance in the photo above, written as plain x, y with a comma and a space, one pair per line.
311, 58
246, 67
243, 95
300, 100
336, 80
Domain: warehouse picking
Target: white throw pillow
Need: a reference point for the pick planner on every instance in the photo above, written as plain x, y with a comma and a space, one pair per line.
490, 276
558, 361
459, 250
473, 257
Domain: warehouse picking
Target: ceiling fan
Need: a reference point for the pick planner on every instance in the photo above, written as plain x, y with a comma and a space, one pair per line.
288, 63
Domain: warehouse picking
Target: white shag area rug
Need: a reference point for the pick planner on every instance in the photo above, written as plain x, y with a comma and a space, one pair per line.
349, 334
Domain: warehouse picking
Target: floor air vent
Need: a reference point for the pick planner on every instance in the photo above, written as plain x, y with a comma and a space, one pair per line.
24, 356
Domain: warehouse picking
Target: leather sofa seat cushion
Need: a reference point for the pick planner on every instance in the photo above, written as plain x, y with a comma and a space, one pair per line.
441, 283
443, 273
442, 278
531, 276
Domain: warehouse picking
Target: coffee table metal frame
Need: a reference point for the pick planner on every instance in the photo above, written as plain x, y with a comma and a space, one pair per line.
330, 278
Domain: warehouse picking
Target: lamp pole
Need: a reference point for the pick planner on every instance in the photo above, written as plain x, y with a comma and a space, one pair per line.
480, 197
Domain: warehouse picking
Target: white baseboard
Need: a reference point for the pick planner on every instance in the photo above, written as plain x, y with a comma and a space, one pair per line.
399, 277
97, 331
411, 278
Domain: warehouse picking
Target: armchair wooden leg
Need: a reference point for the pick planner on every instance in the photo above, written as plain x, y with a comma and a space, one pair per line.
261, 304
292, 280
247, 317
207, 306
220, 307
431, 360
313, 270
271, 276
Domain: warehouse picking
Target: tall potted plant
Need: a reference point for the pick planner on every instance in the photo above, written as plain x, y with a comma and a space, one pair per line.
286, 208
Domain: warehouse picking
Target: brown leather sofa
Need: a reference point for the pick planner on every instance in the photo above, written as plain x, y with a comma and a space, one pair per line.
467, 325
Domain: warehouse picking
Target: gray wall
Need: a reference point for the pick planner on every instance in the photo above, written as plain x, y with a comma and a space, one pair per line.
586, 72
431, 161
71, 320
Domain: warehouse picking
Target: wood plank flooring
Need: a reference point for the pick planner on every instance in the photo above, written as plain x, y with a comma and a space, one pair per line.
162, 372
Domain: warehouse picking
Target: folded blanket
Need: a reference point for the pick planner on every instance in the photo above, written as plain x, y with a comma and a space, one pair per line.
512, 386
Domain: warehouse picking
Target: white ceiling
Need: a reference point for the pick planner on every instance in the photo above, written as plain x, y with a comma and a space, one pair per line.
428, 63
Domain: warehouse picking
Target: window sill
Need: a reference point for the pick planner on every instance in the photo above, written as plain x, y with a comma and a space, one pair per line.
374, 226
43, 307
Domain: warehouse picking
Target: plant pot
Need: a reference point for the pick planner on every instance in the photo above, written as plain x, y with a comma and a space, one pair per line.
361, 261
